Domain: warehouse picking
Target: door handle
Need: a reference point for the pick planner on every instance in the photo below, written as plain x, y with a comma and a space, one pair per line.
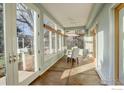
10, 59
14, 58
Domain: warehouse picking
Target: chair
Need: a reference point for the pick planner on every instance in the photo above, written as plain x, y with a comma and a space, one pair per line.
80, 52
85, 52
75, 54
68, 55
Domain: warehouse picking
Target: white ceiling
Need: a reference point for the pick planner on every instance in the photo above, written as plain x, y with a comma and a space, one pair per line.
69, 15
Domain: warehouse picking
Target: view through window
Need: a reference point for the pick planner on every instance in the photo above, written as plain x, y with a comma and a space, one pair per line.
25, 40
2, 61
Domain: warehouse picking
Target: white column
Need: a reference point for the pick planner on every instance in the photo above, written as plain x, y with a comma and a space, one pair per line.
35, 42
55, 43
23, 45
23, 55
50, 42
55, 39
23, 60
60, 43
17, 44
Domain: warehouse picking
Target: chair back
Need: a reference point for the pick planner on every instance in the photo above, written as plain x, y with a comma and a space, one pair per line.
85, 52
75, 53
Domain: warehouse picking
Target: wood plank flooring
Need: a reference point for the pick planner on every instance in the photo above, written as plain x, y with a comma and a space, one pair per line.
63, 73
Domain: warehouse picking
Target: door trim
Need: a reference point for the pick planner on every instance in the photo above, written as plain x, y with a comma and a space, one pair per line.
8, 34
116, 12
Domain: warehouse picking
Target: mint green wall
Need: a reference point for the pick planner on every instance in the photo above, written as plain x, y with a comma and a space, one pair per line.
105, 57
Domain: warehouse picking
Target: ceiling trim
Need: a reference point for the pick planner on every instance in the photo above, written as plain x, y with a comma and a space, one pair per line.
49, 15
74, 28
94, 13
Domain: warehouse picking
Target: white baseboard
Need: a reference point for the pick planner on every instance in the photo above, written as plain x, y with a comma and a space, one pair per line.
44, 70
103, 80
39, 73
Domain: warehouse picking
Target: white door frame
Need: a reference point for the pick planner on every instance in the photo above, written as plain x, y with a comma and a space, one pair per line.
8, 33
36, 48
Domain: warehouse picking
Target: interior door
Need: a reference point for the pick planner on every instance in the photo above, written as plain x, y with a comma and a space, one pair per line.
121, 45
26, 47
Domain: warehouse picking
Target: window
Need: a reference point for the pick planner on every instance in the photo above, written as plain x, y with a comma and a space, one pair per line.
60, 44
53, 43
69, 42
52, 39
26, 19
49, 37
46, 42
2, 61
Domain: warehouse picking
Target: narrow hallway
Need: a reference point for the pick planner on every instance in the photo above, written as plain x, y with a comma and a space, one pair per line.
63, 73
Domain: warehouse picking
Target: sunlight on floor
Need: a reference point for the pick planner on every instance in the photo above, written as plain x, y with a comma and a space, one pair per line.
22, 76
65, 74
3, 81
77, 70
82, 68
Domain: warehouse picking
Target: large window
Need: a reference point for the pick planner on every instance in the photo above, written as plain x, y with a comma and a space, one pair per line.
49, 36
53, 41
26, 24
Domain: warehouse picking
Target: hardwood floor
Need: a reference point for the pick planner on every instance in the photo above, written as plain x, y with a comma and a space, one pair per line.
63, 73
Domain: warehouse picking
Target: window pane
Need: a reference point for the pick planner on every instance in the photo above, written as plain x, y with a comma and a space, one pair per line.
58, 42
49, 37
46, 42
53, 42
62, 43
2, 61
25, 41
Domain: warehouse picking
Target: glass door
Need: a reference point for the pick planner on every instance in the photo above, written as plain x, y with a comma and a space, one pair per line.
19, 47
26, 41
6, 57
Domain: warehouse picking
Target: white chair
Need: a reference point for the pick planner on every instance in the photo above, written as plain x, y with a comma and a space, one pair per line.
80, 52
85, 52
68, 55
75, 54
